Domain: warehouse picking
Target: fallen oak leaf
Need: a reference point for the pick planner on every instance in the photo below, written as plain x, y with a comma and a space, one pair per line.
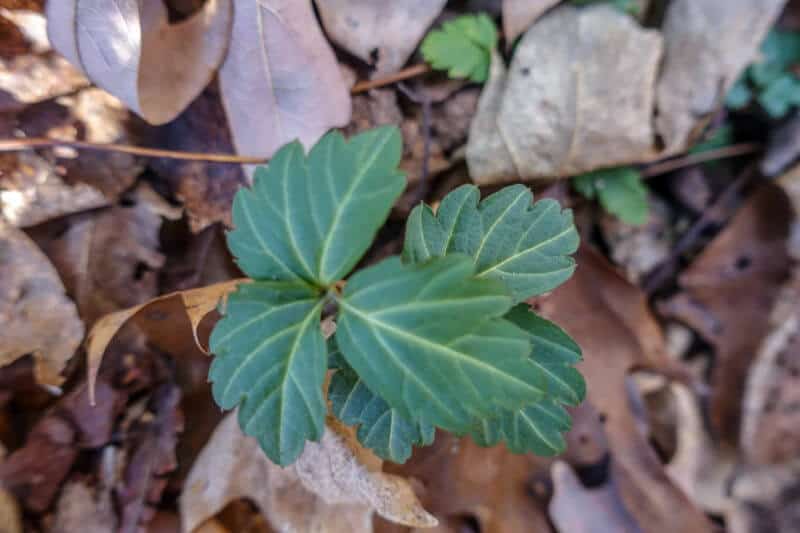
296, 91
37, 316
334, 486
382, 33
197, 304
133, 52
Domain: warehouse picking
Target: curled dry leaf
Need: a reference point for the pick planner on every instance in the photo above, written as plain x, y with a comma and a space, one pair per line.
329, 489
131, 50
109, 259
701, 466
32, 192
728, 293
280, 80
518, 15
770, 430
80, 509
576, 509
37, 316
381, 33
556, 121
197, 304
707, 45
611, 321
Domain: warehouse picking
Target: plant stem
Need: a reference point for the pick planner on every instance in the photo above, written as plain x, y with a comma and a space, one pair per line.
662, 167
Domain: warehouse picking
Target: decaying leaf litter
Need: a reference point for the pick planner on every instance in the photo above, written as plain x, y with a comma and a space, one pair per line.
683, 303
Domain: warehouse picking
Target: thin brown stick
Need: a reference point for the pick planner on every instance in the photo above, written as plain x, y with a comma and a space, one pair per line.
16, 145
409, 72
662, 167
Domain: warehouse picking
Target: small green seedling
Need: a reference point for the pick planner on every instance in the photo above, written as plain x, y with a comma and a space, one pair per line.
440, 337
771, 81
463, 47
619, 190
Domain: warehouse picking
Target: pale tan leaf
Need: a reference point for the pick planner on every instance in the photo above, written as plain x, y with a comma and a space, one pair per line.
280, 80
707, 45
197, 304
518, 15
32, 192
10, 515
383, 33
328, 490
36, 315
80, 509
578, 96
130, 49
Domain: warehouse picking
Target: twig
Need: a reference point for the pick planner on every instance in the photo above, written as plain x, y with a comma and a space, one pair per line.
410, 72
715, 212
662, 167
17, 145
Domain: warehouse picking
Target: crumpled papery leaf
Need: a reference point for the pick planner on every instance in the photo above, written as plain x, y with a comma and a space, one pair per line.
770, 429
197, 304
130, 49
728, 293
333, 487
611, 321
518, 15
280, 80
33, 193
383, 33
556, 121
707, 46
37, 316
80, 509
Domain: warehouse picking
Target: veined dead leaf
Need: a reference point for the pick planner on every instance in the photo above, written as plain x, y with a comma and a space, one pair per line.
197, 304
280, 80
384, 33
130, 49
329, 489
518, 15
37, 316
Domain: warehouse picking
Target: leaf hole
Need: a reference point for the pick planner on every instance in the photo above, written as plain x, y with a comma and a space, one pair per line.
140, 270
602, 418
468, 524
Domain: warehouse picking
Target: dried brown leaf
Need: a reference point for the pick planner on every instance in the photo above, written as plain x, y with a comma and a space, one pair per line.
37, 316
196, 303
518, 15
728, 294
10, 516
131, 50
329, 489
381, 33
80, 508
558, 121
707, 46
280, 80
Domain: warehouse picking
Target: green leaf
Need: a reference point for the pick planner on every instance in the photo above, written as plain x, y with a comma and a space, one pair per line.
525, 245
554, 354
620, 191
271, 359
538, 427
780, 50
740, 95
428, 338
380, 428
780, 95
463, 47
312, 218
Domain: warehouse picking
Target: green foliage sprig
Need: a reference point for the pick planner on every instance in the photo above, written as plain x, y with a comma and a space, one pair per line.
771, 81
463, 47
437, 338
619, 190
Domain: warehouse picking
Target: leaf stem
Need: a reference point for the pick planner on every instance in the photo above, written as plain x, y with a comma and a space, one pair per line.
409, 72
662, 167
